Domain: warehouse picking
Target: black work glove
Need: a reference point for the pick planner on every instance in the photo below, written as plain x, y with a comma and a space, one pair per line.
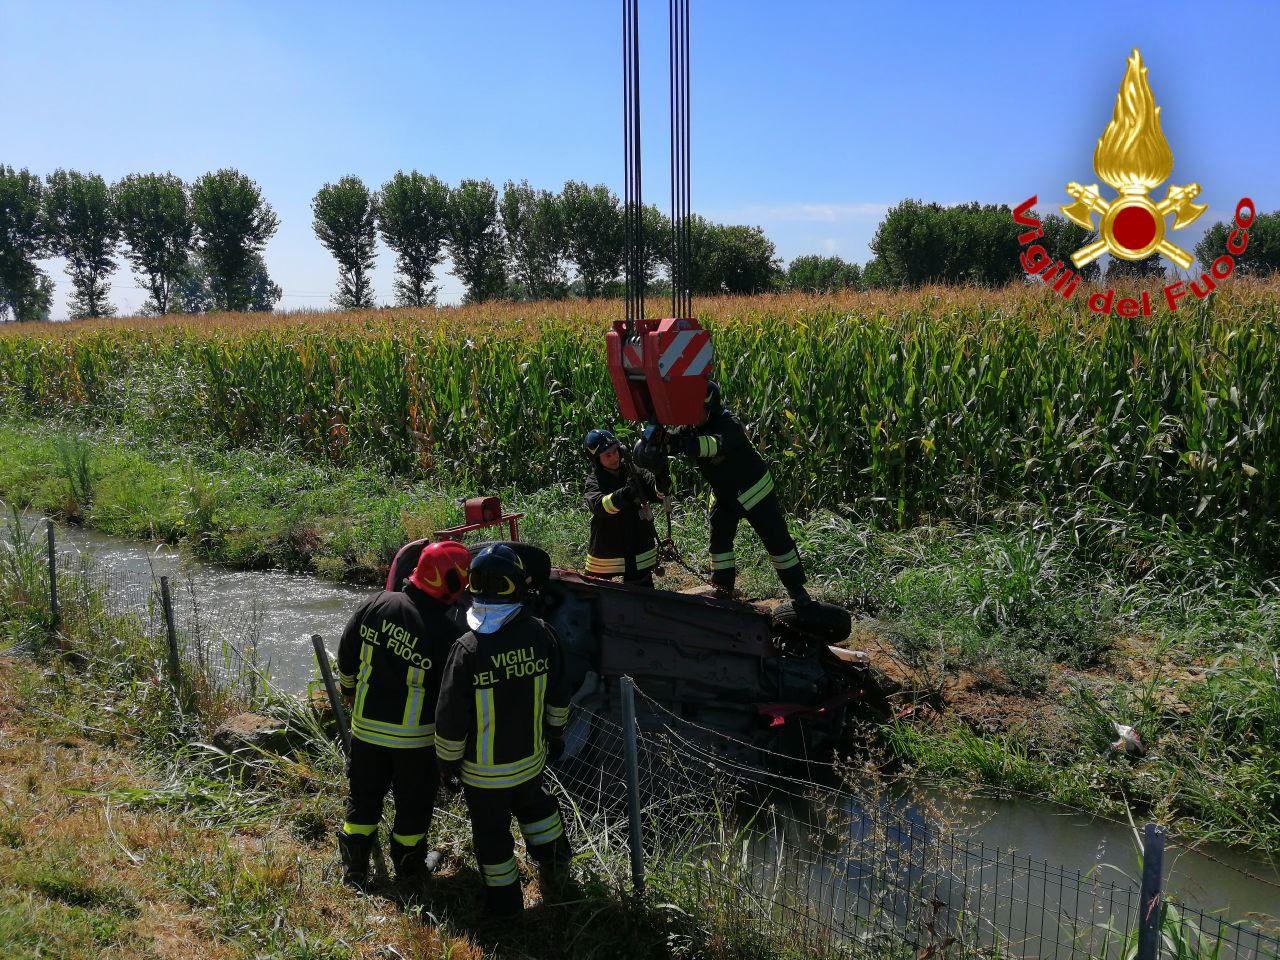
555, 749
687, 444
642, 454
624, 497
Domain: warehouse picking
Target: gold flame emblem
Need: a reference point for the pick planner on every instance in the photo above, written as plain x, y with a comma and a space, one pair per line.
1133, 157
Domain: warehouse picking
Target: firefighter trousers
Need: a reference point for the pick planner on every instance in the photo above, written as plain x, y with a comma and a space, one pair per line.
768, 522
412, 776
540, 822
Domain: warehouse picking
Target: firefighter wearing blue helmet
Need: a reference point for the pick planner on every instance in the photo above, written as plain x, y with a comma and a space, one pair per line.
504, 703
618, 494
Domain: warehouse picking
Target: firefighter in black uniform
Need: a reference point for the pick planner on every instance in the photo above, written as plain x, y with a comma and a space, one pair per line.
741, 488
389, 665
618, 495
504, 702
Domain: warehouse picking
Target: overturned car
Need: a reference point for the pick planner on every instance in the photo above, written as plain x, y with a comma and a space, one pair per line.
754, 678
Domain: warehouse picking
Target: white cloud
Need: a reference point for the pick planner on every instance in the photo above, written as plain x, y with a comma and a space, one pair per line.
803, 212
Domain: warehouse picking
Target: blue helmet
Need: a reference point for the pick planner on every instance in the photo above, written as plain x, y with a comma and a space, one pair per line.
713, 403
599, 440
498, 575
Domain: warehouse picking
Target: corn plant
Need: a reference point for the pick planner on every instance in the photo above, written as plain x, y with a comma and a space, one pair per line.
889, 403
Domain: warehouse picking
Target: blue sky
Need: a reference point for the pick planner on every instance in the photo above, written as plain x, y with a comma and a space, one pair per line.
809, 118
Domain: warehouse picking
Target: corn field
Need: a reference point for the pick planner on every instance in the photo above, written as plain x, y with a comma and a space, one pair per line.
880, 402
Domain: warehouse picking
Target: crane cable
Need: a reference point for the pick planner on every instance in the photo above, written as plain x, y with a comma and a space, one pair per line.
633, 204
681, 246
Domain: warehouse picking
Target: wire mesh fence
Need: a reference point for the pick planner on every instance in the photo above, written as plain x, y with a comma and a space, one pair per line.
743, 842
835, 872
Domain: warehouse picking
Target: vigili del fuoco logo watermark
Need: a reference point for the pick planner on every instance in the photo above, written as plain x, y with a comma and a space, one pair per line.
1134, 158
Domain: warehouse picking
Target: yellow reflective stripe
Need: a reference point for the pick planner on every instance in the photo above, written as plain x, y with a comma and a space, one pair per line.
761, 489
414, 681
723, 561
544, 831
708, 446
346, 679
500, 874
390, 740
557, 716
408, 839
539, 697
606, 564
358, 829
362, 678
450, 749
400, 729
484, 726
647, 555
499, 775
473, 779
607, 503
786, 560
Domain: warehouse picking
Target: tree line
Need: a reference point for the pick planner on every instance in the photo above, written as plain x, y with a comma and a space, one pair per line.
194, 247
198, 247
520, 243
921, 243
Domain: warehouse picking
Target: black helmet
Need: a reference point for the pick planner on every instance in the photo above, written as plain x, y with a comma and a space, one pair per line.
713, 403
598, 441
498, 575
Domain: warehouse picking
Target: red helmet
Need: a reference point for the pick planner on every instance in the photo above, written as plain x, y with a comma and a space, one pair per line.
442, 570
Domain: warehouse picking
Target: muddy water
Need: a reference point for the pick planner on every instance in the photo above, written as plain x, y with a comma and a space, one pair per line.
274, 611
286, 609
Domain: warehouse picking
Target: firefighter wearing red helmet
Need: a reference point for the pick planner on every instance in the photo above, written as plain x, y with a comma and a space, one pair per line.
504, 703
741, 489
390, 660
618, 494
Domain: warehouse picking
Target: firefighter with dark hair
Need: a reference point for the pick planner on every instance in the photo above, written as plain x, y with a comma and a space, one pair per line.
618, 494
390, 660
741, 488
504, 703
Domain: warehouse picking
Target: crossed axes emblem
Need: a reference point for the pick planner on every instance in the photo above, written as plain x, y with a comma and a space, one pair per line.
1143, 217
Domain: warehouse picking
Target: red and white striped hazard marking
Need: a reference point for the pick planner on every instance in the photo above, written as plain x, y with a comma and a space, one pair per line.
687, 355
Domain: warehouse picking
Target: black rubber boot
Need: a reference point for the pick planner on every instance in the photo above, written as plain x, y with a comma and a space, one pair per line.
504, 902
409, 862
354, 849
553, 868
800, 599
723, 581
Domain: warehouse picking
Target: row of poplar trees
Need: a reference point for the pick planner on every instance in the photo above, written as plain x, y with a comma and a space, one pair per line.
193, 247
521, 243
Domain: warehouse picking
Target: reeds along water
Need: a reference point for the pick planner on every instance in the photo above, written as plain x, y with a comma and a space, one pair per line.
889, 402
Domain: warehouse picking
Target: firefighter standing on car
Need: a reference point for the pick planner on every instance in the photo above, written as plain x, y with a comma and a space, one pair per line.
504, 702
390, 660
741, 488
618, 494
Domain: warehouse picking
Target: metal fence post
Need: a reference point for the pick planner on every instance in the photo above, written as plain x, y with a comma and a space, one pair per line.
171, 631
633, 783
335, 698
1151, 900
54, 616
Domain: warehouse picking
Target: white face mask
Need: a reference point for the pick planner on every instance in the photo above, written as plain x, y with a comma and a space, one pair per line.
489, 617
